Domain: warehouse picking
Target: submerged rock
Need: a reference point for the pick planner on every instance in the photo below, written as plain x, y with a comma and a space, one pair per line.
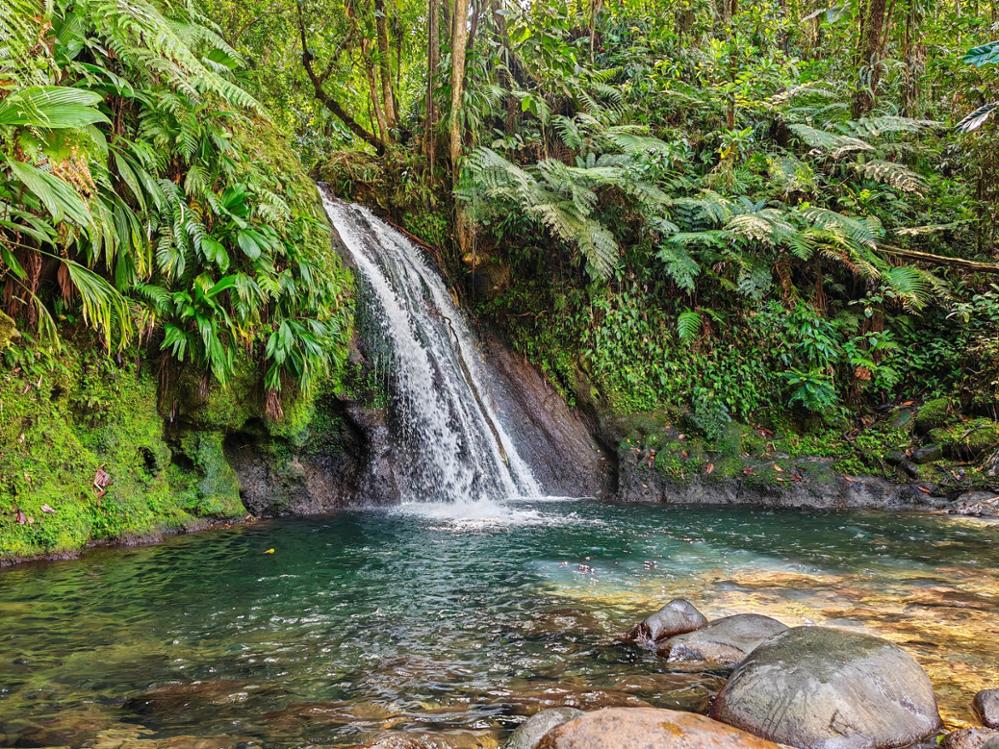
648, 728
823, 688
723, 643
971, 738
986, 705
677, 617
532, 730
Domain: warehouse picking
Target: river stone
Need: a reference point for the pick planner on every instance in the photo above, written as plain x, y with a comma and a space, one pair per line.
532, 730
723, 643
677, 617
823, 688
648, 728
971, 738
986, 706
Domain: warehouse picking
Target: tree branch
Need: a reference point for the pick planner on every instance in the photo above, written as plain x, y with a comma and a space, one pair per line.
955, 262
328, 101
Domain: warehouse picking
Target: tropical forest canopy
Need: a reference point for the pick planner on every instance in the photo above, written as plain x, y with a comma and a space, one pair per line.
739, 210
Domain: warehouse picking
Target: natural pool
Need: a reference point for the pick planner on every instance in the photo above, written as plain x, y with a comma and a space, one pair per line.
458, 620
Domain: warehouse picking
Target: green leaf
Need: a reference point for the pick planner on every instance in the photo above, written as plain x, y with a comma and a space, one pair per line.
59, 197
52, 107
689, 324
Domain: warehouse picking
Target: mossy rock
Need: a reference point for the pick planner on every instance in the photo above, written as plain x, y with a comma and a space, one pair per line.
932, 414
968, 439
217, 487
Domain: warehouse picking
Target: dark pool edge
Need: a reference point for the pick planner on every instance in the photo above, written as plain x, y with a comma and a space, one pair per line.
136, 540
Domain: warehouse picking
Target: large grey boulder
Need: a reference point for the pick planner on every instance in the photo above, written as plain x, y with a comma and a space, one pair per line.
675, 618
531, 731
822, 688
648, 728
986, 706
723, 643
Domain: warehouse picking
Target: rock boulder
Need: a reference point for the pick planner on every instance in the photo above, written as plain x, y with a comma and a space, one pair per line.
823, 688
677, 617
986, 706
648, 728
723, 643
532, 730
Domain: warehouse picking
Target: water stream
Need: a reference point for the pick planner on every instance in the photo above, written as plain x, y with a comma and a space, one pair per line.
450, 443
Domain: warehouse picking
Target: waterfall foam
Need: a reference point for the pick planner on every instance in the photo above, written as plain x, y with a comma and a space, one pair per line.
450, 444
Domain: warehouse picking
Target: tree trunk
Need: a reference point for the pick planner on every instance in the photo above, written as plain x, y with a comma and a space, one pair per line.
384, 67
433, 62
459, 38
873, 33
914, 53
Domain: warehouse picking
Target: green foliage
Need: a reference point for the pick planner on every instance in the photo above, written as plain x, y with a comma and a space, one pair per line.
137, 170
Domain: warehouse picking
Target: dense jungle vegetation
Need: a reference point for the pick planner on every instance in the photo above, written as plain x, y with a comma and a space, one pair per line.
773, 212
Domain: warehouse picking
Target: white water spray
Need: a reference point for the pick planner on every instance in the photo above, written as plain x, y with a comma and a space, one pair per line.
451, 445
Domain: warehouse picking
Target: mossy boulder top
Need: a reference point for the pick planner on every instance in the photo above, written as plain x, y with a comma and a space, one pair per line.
823, 688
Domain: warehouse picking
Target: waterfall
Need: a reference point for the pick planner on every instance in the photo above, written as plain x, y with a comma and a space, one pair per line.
449, 443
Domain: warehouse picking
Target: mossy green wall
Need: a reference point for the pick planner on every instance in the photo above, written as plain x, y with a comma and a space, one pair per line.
68, 419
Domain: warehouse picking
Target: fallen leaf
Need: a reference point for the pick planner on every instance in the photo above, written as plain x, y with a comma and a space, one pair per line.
47, 509
270, 551
709, 468
778, 468
21, 518
747, 471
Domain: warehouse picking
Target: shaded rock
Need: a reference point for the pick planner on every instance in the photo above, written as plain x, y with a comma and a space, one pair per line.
648, 728
177, 699
970, 738
677, 617
532, 730
970, 439
823, 688
555, 440
723, 643
927, 454
986, 705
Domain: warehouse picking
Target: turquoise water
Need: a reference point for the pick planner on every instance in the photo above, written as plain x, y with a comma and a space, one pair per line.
423, 620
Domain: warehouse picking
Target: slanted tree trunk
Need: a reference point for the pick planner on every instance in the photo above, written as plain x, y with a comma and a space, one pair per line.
318, 81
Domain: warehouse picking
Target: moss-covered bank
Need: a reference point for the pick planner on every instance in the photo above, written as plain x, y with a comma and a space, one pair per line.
87, 457
96, 450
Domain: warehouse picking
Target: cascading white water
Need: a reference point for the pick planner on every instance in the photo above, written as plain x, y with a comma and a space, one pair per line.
449, 443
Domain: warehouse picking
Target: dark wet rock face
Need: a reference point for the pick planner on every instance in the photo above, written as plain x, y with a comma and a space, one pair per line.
986, 706
723, 643
555, 440
677, 617
648, 728
971, 738
823, 688
532, 730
